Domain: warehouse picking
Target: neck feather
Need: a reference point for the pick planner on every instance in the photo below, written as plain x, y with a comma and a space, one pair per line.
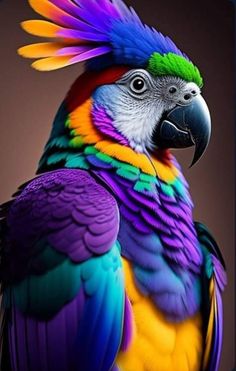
78, 139
154, 184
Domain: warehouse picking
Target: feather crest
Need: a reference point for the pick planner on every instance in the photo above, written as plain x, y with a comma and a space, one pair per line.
104, 27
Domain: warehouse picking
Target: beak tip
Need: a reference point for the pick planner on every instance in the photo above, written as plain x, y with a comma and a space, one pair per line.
192, 164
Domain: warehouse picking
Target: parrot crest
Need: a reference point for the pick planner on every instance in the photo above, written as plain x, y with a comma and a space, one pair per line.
103, 34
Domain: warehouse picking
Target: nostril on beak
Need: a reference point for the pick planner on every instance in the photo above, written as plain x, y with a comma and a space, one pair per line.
187, 96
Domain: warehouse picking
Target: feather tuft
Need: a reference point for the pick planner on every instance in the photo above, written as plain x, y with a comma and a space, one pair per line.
105, 28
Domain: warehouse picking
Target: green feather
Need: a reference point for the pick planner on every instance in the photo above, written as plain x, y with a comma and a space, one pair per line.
128, 171
56, 157
67, 122
60, 142
147, 178
90, 150
105, 158
76, 142
167, 189
77, 161
132, 169
178, 186
174, 65
142, 186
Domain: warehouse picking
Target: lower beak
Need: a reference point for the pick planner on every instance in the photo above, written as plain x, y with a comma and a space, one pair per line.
185, 126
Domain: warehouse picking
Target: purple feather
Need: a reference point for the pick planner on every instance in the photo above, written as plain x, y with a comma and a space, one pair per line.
81, 214
176, 233
40, 344
68, 6
127, 326
93, 15
91, 54
104, 124
80, 35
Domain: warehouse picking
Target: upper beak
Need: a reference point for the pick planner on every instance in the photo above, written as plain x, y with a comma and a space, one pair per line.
185, 126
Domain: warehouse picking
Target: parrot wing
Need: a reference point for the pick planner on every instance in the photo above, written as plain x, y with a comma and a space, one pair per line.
62, 275
214, 281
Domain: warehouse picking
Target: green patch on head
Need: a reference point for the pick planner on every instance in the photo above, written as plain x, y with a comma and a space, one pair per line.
174, 65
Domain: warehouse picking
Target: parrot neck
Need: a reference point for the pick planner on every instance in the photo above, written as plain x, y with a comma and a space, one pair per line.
76, 142
151, 191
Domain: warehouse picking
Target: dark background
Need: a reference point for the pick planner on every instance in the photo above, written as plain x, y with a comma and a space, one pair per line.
204, 29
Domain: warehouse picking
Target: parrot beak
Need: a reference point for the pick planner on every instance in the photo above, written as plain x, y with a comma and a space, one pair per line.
185, 126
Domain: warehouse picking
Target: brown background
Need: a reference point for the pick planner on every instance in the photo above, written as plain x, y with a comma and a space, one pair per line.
29, 100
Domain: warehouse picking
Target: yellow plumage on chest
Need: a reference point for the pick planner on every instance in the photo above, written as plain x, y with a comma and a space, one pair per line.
159, 345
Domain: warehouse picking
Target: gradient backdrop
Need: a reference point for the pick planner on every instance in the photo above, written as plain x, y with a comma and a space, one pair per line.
29, 100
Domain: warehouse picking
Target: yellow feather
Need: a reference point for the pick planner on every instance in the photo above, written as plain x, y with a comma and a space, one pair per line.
186, 335
159, 345
162, 333
166, 173
45, 8
209, 334
126, 154
40, 28
40, 50
52, 63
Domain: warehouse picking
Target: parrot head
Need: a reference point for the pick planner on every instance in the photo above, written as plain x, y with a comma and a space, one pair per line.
153, 112
142, 91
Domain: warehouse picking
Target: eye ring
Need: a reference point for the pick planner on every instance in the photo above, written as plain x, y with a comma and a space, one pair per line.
172, 90
138, 85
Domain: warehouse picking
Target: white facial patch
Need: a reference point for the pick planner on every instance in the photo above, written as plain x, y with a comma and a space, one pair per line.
137, 121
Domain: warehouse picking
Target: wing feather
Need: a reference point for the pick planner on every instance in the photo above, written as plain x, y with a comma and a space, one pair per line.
214, 281
64, 292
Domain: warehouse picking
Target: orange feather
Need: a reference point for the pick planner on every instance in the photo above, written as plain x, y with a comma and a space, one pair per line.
40, 28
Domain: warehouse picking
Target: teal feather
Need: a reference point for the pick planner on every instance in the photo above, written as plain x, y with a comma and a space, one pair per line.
59, 142
127, 174
56, 157
48, 292
77, 161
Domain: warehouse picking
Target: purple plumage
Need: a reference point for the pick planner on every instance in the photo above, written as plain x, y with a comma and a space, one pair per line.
78, 216
61, 263
38, 345
170, 218
104, 124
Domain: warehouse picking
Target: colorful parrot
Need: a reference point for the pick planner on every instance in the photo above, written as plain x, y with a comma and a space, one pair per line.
102, 266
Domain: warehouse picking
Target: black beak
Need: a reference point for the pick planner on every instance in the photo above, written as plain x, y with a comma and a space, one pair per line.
185, 126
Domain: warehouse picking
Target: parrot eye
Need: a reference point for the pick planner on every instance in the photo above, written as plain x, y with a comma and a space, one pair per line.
138, 85
172, 90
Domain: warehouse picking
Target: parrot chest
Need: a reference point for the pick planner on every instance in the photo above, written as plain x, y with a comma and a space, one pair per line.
158, 344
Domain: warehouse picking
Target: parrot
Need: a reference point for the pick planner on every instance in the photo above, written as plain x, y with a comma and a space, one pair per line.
103, 267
